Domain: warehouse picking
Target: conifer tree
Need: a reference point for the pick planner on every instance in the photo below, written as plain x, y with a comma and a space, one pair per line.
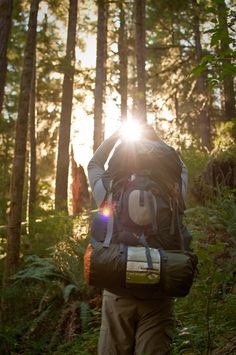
18, 170
6, 7
201, 84
228, 79
66, 110
140, 58
32, 141
100, 80
123, 61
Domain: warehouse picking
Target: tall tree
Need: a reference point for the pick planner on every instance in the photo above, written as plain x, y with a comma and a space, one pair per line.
32, 139
141, 58
123, 62
66, 109
100, 80
6, 7
18, 170
201, 84
80, 193
15, 51
50, 56
228, 79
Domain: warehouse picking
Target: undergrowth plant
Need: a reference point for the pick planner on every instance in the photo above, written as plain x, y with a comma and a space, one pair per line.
54, 312
206, 318
59, 309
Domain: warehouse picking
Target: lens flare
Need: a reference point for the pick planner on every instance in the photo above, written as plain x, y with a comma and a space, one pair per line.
106, 212
131, 130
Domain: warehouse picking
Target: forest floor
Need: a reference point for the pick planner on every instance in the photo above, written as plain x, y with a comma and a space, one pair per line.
54, 312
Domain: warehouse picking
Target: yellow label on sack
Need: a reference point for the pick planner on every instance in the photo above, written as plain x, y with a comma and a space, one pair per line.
137, 271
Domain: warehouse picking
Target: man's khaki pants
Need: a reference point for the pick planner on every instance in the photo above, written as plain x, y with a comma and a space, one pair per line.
133, 326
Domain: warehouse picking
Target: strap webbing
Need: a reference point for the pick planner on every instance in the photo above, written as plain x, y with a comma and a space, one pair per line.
173, 214
141, 198
109, 233
110, 222
152, 210
147, 251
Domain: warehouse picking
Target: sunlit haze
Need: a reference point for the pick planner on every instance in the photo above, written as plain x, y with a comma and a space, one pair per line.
131, 130
82, 121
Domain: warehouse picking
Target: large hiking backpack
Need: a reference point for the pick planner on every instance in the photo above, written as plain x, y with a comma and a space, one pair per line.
134, 247
146, 194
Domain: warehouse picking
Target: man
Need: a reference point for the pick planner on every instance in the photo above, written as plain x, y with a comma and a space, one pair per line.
132, 322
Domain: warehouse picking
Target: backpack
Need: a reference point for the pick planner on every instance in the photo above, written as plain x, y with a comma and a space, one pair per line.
144, 180
139, 245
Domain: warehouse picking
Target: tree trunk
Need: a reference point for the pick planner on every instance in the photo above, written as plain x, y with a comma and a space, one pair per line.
228, 80
65, 122
201, 85
6, 7
123, 63
177, 114
32, 134
80, 193
100, 81
140, 58
18, 171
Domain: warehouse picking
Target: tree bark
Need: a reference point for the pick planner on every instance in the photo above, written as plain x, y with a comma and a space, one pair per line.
18, 171
6, 7
80, 193
228, 80
100, 80
204, 128
65, 122
123, 63
32, 134
140, 58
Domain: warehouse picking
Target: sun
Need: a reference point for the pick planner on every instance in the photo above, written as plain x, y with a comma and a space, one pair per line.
131, 130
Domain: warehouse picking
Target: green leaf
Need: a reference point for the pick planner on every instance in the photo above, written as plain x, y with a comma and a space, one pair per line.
68, 290
208, 58
199, 69
229, 69
216, 37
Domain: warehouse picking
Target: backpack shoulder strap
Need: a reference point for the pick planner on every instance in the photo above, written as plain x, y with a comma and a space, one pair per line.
110, 222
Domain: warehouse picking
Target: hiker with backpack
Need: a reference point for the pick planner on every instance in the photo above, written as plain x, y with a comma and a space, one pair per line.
143, 192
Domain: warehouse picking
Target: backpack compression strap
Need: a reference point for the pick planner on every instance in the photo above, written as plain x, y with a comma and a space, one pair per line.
147, 250
110, 222
152, 211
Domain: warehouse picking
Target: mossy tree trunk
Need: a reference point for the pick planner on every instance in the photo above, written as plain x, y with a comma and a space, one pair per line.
18, 170
123, 62
6, 7
32, 139
66, 109
204, 125
100, 81
140, 59
228, 80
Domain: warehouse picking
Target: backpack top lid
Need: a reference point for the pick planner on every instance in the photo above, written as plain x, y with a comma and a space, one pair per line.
156, 158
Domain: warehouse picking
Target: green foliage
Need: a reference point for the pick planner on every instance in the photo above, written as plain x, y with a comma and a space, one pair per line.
196, 161
85, 345
206, 318
59, 318
219, 63
224, 143
55, 294
48, 230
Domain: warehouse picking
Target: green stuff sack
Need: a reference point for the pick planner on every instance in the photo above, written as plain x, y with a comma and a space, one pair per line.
119, 266
178, 272
105, 267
